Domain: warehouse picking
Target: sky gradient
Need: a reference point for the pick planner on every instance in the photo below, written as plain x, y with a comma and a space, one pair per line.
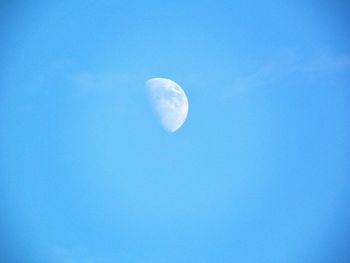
259, 172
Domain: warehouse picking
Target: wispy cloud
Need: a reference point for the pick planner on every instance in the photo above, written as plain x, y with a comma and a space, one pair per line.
289, 63
64, 254
327, 62
87, 82
81, 81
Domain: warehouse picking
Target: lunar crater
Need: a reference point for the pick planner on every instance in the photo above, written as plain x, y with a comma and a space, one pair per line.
169, 102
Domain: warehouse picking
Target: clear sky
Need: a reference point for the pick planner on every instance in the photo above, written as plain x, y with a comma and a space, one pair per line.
259, 172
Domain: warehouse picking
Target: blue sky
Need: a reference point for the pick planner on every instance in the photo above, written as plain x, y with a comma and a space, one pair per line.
257, 173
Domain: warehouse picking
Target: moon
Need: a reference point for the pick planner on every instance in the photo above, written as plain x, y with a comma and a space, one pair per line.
168, 101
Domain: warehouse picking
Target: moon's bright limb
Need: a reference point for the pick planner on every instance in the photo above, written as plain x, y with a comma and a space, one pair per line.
169, 102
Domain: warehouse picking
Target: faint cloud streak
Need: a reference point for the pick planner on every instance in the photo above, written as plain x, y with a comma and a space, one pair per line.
287, 64
87, 82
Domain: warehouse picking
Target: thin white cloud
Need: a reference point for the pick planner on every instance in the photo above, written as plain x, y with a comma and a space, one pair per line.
327, 62
288, 63
87, 82
63, 254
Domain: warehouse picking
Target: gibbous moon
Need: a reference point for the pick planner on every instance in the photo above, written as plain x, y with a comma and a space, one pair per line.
168, 101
